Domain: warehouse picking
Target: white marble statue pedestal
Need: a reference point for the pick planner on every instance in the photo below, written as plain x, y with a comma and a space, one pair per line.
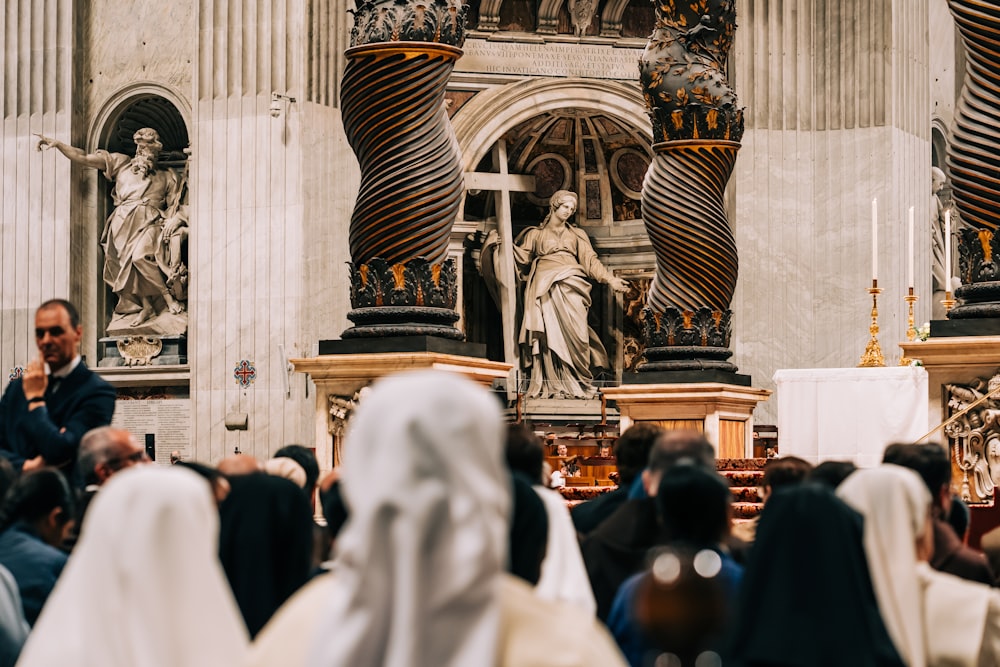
338, 378
724, 412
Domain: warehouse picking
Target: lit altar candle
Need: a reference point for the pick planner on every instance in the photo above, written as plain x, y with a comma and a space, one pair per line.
910, 272
947, 249
874, 240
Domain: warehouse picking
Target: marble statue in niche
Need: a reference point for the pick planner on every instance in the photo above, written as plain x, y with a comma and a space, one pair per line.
937, 229
554, 261
143, 238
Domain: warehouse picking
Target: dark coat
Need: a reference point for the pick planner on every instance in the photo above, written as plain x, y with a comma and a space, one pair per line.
589, 515
34, 564
617, 549
954, 557
82, 401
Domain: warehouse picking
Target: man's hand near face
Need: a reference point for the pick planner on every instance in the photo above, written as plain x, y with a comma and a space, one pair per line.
34, 382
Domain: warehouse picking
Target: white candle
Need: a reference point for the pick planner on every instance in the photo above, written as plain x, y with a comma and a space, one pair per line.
910, 272
947, 249
874, 240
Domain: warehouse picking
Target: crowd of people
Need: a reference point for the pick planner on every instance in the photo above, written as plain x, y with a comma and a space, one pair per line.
441, 545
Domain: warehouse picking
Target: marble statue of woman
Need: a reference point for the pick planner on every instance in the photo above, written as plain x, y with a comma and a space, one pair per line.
554, 260
142, 235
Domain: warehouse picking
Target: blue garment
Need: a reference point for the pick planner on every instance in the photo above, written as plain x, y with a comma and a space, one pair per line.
625, 629
35, 565
638, 490
82, 401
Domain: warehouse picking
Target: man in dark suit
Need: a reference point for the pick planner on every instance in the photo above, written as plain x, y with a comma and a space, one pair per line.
44, 413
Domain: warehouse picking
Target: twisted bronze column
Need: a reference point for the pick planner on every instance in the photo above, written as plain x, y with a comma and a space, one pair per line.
974, 159
401, 56
696, 131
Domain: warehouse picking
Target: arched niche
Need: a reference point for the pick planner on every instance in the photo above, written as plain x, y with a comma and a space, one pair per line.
589, 137
136, 106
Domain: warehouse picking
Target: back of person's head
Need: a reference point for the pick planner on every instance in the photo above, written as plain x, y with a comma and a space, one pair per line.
144, 585
44, 500
896, 507
525, 453
632, 450
959, 517
424, 477
786, 471
265, 544
809, 562
305, 458
216, 480
239, 464
286, 469
930, 461
693, 503
831, 473
671, 448
529, 531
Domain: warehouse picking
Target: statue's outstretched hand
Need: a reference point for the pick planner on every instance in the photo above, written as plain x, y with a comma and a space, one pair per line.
619, 285
45, 143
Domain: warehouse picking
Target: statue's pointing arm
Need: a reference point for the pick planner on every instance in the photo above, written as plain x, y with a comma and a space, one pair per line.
77, 155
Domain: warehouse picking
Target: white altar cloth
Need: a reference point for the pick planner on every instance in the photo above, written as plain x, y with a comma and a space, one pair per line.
849, 414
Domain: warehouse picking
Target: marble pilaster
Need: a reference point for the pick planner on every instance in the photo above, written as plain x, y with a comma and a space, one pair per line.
838, 112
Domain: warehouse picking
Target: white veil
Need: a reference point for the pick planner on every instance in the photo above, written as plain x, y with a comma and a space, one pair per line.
419, 562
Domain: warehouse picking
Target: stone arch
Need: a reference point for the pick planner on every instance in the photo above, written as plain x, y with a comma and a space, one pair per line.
491, 116
611, 18
107, 118
478, 125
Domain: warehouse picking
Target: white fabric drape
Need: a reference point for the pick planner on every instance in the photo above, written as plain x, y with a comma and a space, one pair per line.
564, 575
419, 562
934, 618
144, 587
849, 414
894, 503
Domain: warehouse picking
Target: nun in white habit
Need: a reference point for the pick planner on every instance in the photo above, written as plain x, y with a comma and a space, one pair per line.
144, 586
419, 578
934, 619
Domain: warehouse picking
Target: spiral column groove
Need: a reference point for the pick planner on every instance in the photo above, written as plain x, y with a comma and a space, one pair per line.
974, 160
697, 126
392, 103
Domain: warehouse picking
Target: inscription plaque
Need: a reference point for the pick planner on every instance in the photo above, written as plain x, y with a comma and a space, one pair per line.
592, 61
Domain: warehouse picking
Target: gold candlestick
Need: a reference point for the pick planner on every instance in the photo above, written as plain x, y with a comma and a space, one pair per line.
948, 302
872, 358
911, 332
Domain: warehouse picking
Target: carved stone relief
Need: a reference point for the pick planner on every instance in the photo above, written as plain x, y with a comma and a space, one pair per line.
974, 439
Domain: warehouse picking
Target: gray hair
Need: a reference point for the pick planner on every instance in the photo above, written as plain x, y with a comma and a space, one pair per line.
95, 449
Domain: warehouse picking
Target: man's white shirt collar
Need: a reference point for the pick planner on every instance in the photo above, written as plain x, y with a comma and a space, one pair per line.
67, 369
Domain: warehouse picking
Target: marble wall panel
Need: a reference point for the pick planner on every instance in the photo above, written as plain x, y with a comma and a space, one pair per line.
272, 201
838, 98
36, 96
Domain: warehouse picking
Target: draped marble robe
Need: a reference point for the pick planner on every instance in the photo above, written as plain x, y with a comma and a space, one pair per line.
556, 342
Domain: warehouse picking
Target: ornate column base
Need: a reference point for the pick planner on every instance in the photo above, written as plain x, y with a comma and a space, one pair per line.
724, 412
340, 379
977, 300
411, 298
679, 340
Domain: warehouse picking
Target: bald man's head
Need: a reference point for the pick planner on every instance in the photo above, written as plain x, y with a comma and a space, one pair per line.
106, 450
